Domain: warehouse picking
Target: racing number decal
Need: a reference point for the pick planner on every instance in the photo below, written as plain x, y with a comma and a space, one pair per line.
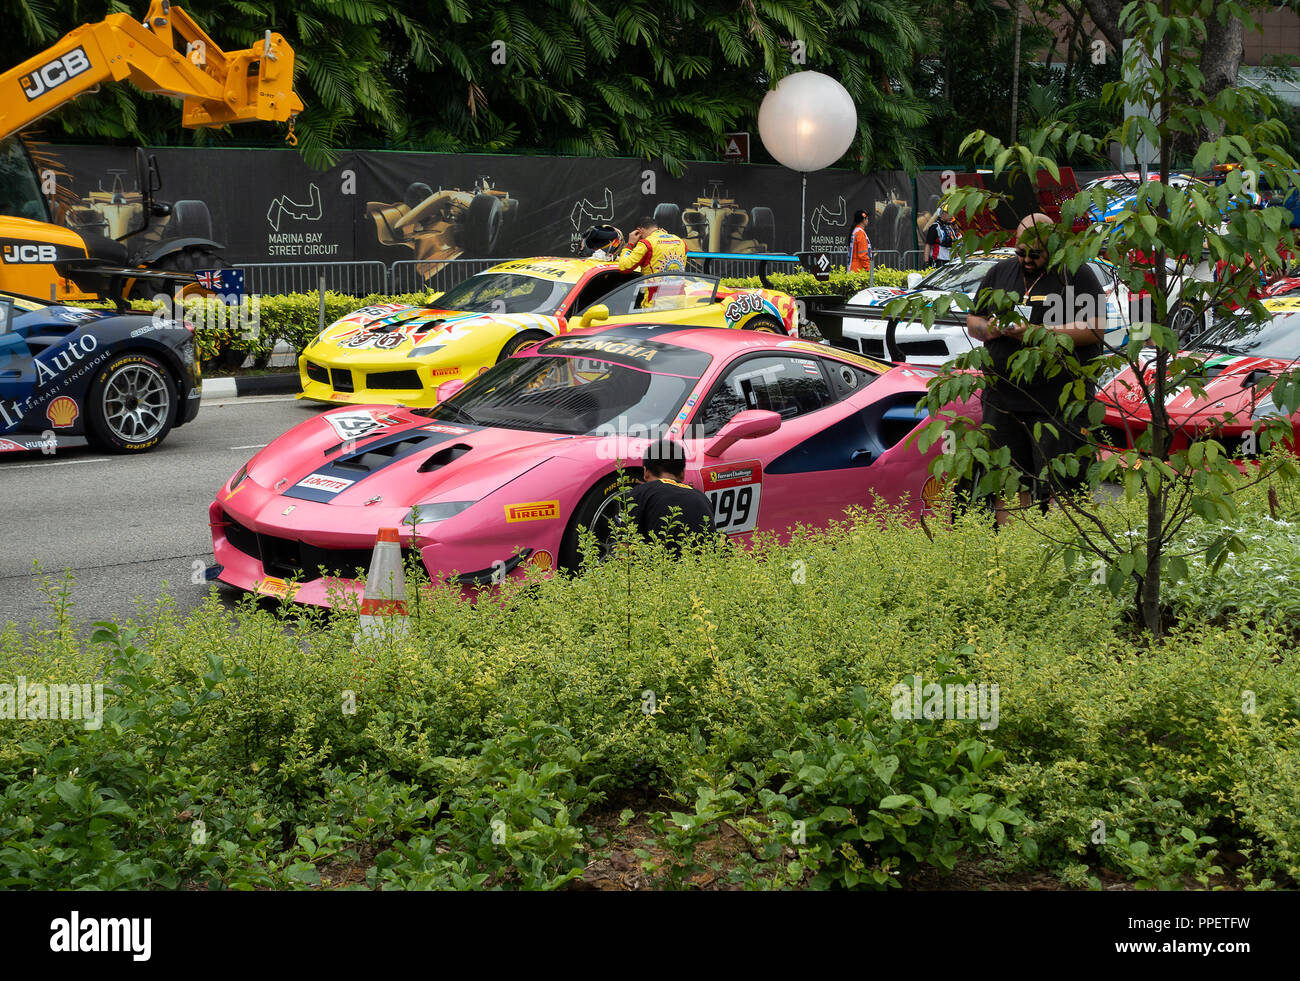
744, 304
734, 490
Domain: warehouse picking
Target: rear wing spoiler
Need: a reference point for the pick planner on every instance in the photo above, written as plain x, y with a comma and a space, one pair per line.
765, 261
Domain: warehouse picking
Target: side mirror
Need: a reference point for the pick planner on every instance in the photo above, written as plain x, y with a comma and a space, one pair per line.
592, 314
449, 388
914, 280
746, 424
434, 295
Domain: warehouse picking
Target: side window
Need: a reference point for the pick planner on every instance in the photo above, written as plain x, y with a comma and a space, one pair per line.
786, 385
596, 288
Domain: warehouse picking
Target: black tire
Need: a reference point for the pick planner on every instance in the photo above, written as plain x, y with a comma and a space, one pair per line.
186, 260
190, 219
599, 505
763, 227
131, 404
520, 341
765, 324
669, 218
483, 222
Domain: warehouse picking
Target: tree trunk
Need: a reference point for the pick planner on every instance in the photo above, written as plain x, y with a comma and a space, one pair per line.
1221, 54
1105, 14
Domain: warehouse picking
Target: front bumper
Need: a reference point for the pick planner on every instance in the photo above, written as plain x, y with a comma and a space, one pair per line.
261, 549
400, 381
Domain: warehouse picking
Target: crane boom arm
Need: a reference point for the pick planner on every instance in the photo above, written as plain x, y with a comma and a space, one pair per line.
218, 87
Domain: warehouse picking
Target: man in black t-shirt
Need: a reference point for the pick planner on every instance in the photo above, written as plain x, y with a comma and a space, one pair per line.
664, 504
1073, 304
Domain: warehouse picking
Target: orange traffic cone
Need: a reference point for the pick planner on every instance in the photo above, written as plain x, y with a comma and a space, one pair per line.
383, 603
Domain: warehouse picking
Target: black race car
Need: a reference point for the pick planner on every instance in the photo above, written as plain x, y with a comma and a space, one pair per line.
71, 376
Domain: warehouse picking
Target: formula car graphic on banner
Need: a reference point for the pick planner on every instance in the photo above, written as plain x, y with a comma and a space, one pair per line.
71, 376
447, 223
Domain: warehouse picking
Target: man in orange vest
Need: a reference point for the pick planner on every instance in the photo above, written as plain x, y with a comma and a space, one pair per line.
652, 250
859, 244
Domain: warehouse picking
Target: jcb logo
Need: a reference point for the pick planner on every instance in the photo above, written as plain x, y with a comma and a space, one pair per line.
30, 253
54, 73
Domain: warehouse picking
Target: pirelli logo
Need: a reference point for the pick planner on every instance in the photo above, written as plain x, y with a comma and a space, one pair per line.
533, 511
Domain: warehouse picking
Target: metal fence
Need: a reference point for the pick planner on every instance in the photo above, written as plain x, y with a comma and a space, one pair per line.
353, 278
416, 275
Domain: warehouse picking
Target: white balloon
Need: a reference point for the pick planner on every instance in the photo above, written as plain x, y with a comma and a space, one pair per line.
808, 121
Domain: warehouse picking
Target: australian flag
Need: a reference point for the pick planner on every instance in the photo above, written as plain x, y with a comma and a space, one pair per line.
226, 283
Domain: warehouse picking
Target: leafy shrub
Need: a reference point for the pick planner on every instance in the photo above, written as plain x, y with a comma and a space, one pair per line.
719, 680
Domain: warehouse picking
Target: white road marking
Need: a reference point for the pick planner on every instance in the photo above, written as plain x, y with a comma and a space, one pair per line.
252, 399
58, 463
253, 446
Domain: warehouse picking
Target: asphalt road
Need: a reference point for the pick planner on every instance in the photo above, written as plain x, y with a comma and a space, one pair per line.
128, 527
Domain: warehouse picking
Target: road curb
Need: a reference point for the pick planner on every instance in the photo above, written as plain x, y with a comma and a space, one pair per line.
227, 388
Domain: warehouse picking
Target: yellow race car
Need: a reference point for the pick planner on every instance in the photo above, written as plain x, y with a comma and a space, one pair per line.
400, 354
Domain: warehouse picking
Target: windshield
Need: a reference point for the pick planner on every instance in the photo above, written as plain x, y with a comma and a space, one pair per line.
491, 292
959, 277
20, 194
567, 395
1278, 337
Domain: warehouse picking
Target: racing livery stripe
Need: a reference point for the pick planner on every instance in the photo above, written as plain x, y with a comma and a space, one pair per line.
338, 470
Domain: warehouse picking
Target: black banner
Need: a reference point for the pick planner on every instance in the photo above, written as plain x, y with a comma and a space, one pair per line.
269, 206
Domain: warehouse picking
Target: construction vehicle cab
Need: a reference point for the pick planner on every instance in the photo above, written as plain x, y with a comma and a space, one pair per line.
124, 229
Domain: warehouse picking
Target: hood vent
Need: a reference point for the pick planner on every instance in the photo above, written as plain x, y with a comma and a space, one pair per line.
377, 457
444, 456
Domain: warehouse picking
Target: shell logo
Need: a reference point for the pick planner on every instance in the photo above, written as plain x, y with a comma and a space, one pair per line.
931, 491
62, 412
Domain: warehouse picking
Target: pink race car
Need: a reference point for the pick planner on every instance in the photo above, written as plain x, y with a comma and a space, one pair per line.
506, 470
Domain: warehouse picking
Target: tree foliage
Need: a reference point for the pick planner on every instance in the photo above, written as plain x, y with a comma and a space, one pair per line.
1177, 470
656, 80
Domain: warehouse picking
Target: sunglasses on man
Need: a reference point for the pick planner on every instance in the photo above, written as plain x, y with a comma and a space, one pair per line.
1022, 252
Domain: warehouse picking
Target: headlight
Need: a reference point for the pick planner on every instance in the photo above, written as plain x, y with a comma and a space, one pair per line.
423, 514
239, 478
423, 349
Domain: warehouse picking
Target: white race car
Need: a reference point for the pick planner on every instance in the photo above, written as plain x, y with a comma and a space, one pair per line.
943, 342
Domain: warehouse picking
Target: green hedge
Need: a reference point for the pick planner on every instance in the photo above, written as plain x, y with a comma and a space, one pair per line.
495, 745
294, 317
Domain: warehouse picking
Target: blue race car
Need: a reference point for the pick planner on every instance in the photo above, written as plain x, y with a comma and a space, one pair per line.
70, 376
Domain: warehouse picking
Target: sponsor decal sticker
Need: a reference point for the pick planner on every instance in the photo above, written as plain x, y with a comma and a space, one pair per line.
360, 422
625, 348
931, 491
324, 482
442, 427
9, 446
271, 586
734, 490
532, 511
542, 559
62, 412
745, 303
879, 367
441, 372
